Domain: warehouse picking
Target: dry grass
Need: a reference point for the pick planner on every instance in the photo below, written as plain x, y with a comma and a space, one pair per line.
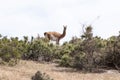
25, 69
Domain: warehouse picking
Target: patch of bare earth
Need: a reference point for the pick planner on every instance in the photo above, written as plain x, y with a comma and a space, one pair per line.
26, 69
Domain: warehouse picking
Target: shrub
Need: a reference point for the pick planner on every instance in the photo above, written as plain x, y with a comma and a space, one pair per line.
9, 50
66, 48
79, 61
65, 60
41, 76
112, 56
39, 50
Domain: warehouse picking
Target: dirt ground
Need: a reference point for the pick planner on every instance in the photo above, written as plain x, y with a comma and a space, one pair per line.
26, 69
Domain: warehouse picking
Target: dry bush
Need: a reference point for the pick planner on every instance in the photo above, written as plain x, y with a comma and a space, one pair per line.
41, 76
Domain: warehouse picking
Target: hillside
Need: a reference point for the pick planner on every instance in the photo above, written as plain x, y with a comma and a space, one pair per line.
25, 69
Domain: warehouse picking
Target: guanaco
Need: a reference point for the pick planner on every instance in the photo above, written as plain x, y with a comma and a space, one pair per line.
56, 36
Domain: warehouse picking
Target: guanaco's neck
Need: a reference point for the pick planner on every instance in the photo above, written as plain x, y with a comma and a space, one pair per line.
64, 33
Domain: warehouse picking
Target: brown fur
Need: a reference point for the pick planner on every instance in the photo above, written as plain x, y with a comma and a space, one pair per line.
56, 36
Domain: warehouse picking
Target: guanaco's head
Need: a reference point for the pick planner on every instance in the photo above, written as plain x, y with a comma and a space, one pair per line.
45, 33
65, 27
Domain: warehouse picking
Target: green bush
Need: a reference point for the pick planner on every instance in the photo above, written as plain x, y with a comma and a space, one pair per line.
112, 55
79, 61
9, 50
66, 48
39, 50
65, 60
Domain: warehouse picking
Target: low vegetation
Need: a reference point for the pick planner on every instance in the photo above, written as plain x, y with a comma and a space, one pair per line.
84, 53
41, 76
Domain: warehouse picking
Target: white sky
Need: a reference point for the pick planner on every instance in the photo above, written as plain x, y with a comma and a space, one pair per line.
30, 17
